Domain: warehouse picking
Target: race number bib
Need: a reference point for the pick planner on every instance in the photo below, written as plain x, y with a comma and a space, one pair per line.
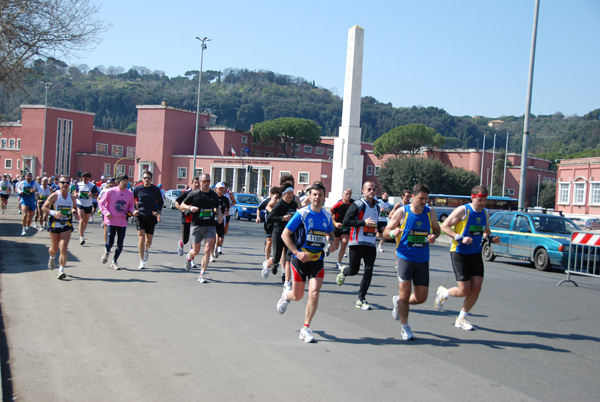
370, 231
84, 195
417, 239
27, 190
65, 212
315, 238
205, 213
476, 230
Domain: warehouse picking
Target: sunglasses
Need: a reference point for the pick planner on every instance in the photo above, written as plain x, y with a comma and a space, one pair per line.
147, 178
64, 182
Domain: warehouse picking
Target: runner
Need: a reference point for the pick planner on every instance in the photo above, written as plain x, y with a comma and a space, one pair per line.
361, 218
149, 204
338, 212
203, 204
186, 217
61, 207
306, 235
275, 194
27, 190
224, 206
116, 203
5, 189
384, 210
96, 196
415, 226
84, 191
109, 183
42, 196
406, 194
468, 225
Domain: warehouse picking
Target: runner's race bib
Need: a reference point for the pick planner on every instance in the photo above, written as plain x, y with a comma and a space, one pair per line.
84, 195
417, 239
315, 238
370, 231
205, 214
65, 212
476, 230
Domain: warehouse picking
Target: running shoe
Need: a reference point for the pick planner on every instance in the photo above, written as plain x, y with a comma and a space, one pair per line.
188, 264
363, 305
201, 278
194, 266
287, 285
146, 255
463, 323
339, 266
215, 253
114, 266
395, 310
81, 241
406, 333
283, 302
61, 274
41, 228
51, 263
380, 249
91, 219
142, 265
24, 232
340, 279
212, 259
104, 257
440, 299
180, 248
2, 212
220, 250
35, 224
265, 269
274, 268
306, 335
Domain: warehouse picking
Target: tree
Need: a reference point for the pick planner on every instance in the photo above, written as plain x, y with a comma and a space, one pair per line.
548, 195
406, 139
288, 131
43, 28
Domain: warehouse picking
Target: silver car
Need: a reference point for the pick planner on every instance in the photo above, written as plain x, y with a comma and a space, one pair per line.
170, 197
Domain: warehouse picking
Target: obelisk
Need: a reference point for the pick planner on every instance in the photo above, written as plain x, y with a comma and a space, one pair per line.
347, 170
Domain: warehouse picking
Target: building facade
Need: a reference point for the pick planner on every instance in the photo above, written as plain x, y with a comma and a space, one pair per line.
578, 186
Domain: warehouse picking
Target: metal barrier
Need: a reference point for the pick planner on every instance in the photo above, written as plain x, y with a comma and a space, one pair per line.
583, 256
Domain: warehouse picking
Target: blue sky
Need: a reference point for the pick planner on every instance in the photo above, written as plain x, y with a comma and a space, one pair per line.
469, 57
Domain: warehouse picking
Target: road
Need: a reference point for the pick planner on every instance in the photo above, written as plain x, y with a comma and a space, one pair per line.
158, 334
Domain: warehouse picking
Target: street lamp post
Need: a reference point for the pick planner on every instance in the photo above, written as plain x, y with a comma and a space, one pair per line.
538, 193
203, 40
47, 85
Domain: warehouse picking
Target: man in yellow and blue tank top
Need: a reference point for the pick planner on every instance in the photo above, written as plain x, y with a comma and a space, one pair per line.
414, 227
468, 225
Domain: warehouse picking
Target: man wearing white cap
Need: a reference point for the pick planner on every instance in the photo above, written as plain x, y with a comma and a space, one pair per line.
223, 201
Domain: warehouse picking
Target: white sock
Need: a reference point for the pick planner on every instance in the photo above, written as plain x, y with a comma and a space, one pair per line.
463, 314
445, 294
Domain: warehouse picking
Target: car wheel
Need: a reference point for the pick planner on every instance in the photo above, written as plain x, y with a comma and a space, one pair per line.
541, 260
487, 252
237, 215
443, 217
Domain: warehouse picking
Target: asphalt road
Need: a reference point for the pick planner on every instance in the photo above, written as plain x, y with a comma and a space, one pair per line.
158, 334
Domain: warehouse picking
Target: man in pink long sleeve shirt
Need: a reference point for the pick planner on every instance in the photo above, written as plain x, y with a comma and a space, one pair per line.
115, 204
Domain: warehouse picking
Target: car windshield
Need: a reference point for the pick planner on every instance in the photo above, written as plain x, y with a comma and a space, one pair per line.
248, 199
176, 194
553, 224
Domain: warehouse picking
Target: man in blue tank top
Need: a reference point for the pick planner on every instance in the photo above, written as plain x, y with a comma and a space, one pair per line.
468, 225
414, 227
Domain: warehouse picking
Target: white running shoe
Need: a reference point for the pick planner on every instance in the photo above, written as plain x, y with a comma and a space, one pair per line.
440, 299
146, 255
24, 232
91, 219
463, 323
395, 310
265, 269
283, 302
188, 264
81, 241
114, 266
194, 266
142, 265
201, 278
380, 249
61, 274
406, 333
306, 335
104, 257
41, 228
35, 224
363, 305
220, 250
287, 285
212, 259
180, 248
215, 253
51, 263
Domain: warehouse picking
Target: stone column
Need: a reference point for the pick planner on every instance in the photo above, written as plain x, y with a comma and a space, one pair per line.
347, 169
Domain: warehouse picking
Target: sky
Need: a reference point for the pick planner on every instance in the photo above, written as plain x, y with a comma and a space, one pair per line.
468, 57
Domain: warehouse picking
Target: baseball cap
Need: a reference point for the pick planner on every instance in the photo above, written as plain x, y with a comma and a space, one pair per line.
220, 185
102, 177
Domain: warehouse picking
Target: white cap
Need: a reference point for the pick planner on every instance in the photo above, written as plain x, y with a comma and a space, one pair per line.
220, 185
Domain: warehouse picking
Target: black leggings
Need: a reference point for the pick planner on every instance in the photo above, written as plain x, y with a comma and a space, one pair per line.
278, 247
185, 232
367, 254
120, 232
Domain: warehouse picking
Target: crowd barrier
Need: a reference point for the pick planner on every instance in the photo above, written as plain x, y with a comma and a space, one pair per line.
584, 254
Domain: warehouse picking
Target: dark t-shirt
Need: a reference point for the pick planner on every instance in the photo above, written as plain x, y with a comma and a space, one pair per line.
179, 200
278, 212
148, 199
223, 203
207, 202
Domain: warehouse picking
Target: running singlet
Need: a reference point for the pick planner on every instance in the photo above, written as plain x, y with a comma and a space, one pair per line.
43, 195
364, 235
384, 210
473, 226
310, 231
85, 194
65, 207
338, 211
5, 186
412, 245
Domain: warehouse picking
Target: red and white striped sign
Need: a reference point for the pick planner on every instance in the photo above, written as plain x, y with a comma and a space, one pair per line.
589, 239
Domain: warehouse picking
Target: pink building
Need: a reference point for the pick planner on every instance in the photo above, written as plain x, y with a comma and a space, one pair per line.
578, 187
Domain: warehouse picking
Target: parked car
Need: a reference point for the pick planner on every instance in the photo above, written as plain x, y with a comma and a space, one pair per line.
542, 239
245, 206
171, 196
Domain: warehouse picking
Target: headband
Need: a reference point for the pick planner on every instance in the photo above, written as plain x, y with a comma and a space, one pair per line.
287, 190
479, 195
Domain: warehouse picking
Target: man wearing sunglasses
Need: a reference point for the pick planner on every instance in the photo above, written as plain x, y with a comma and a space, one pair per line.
149, 203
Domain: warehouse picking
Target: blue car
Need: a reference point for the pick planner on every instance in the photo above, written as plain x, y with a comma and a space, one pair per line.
245, 206
539, 238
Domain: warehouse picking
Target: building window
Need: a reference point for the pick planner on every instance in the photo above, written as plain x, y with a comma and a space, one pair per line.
281, 155
283, 173
181, 172
256, 153
376, 170
256, 140
18, 164
369, 170
308, 149
8, 164
510, 191
245, 152
318, 150
268, 154
64, 139
330, 152
101, 149
130, 174
594, 193
11, 143
579, 193
106, 169
130, 151
3, 143
296, 147
563, 193
303, 177
270, 144
119, 169
117, 150
244, 139
18, 144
